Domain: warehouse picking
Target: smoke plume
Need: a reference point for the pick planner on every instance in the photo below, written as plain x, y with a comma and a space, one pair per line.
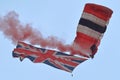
14, 30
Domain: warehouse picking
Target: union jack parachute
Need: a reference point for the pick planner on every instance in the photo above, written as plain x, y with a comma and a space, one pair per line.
50, 57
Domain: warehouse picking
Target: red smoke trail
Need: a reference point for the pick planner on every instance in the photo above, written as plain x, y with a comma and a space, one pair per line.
15, 31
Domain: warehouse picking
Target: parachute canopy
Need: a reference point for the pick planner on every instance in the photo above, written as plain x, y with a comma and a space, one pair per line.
91, 27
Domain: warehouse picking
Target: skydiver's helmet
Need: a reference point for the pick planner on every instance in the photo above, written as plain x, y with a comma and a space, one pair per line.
91, 27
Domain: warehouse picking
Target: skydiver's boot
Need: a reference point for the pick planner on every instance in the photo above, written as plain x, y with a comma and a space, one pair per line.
91, 27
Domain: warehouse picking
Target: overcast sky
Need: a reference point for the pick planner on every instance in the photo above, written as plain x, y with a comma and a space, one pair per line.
60, 18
